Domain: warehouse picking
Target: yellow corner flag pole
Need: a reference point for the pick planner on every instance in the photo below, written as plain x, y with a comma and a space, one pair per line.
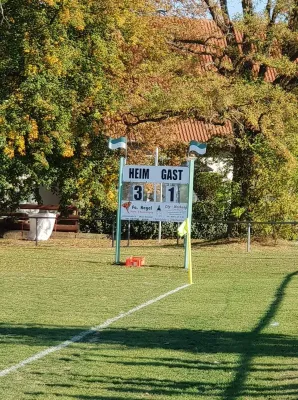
189, 254
184, 229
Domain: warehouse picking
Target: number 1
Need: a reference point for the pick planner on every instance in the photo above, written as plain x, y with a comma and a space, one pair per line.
172, 193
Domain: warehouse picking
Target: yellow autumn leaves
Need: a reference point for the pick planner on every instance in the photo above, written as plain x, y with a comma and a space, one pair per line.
71, 12
68, 150
33, 133
16, 142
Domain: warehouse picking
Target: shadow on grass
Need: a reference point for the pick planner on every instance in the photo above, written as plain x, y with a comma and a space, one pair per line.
194, 341
80, 396
235, 388
205, 243
248, 345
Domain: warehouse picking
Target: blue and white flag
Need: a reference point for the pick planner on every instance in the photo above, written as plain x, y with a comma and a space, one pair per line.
119, 143
199, 148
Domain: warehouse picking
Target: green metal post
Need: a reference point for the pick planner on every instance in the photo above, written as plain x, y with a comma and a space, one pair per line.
248, 237
118, 226
191, 164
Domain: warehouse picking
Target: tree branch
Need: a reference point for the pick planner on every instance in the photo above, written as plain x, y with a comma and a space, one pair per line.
216, 14
262, 115
225, 11
55, 15
262, 71
287, 83
293, 57
268, 8
221, 18
142, 120
2, 15
182, 45
199, 41
247, 7
166, 115
275, 13
1, 12
293, 19
216, 58
189, 50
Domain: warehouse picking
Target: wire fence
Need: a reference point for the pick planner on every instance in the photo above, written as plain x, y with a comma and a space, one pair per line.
216, 229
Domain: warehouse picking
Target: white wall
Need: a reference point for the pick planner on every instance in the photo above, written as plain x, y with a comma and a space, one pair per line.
221, 166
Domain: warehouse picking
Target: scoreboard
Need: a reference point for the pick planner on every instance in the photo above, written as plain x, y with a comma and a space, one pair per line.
154, 193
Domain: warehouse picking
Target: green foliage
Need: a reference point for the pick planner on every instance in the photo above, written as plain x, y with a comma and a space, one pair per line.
214, 194
276, 187
54, 87
68, 67
238, 212
76, 72
252, 84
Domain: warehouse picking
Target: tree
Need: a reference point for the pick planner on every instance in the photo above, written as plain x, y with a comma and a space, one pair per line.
250, 64
67, 68
74, 72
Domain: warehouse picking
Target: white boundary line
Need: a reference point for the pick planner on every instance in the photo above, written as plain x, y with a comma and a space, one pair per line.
82, 335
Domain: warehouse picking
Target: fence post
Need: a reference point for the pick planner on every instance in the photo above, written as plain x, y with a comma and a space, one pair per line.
36, 240
128, 233
113, 233
248, 237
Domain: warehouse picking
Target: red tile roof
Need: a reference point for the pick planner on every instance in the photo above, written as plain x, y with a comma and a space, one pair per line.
197, 130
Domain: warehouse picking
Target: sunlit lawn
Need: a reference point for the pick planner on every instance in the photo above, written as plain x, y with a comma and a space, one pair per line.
233, 334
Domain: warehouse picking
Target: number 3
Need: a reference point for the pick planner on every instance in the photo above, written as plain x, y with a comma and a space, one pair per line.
138, 193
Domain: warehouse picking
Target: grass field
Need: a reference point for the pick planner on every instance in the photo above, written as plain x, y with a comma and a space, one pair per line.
233, 334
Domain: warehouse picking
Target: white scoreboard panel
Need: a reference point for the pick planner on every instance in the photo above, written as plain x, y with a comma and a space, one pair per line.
143, 173
144, 184
153, 211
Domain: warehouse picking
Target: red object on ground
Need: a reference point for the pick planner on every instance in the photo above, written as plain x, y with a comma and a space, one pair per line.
135, 261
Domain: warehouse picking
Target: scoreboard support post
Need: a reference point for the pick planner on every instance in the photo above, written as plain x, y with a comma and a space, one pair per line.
118, 226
